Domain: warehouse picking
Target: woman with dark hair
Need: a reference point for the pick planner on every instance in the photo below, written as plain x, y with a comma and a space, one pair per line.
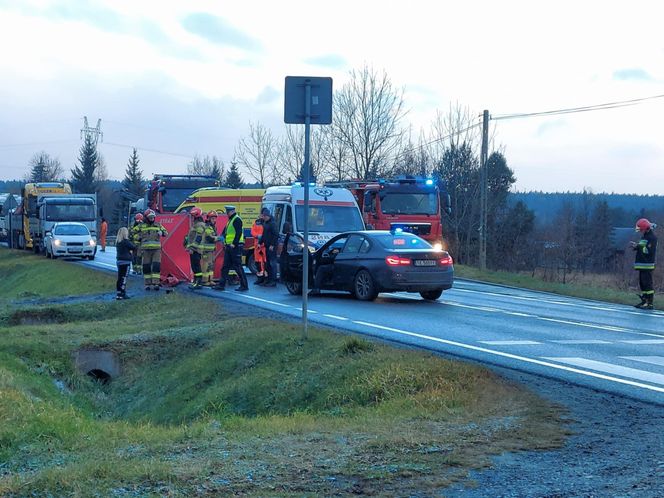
124, 248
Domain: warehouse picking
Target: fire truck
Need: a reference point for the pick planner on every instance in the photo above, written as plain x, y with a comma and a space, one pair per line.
164, 193
411, 203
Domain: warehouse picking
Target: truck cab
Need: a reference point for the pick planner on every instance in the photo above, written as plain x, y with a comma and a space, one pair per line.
410, 203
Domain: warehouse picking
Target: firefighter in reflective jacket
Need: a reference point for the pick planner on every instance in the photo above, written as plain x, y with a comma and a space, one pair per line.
233, 239
135, 237
195, 246
150, 235
259, 251
209, 248
646, 251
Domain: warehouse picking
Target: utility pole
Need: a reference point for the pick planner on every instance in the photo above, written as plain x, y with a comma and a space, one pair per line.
94, 133
484, 195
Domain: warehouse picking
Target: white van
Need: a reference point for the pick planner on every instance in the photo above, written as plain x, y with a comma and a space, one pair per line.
332, 211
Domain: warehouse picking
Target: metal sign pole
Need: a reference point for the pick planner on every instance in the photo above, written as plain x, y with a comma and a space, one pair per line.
305, 251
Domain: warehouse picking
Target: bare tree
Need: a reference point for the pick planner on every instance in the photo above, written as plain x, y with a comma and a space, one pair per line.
458, 126
368, 111
258, 153
335, 155
207, 166
44, 168
291, 152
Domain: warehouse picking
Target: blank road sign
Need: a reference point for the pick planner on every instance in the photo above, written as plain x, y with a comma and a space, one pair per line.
320, 103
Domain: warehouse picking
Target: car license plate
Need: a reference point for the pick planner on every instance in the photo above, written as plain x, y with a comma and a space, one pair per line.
425, 262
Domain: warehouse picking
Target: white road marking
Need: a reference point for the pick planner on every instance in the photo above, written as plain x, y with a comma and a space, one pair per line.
610, 368
513, 356
99, 263
610, 328
645, 341
335, 317
653, 360
582, 341
265, 300
601, 307
510, 343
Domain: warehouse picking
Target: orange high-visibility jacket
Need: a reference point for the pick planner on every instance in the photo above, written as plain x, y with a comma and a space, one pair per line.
259, 248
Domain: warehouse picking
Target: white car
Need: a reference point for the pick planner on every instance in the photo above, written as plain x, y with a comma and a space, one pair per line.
70, 239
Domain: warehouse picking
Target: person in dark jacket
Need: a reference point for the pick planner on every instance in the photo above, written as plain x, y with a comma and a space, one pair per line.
124, 249
270, 240
644, 262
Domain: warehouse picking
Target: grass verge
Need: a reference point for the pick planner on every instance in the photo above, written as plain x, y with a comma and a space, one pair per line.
210, 402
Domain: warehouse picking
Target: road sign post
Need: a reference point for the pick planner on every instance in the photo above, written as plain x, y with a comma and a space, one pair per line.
308, 100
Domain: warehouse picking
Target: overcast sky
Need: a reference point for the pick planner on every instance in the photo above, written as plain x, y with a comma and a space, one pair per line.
177, 78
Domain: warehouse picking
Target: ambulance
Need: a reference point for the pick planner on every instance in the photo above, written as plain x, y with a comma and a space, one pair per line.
332, 210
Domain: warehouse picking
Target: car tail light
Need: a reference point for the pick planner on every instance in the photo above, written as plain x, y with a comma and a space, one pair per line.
445, 260
397, 261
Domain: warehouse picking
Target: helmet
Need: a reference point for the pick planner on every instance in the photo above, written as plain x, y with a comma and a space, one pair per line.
138, 217
149, 212
643, 225
212, 214
196, 212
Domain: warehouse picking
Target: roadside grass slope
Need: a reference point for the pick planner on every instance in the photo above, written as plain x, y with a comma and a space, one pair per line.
26, 275
213, 402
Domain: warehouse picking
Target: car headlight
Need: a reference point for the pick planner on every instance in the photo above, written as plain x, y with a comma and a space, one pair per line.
57, 242
92, 242
438, 246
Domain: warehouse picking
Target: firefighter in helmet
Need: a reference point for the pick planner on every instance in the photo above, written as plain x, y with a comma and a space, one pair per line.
135, 237
151, 233
646, 251
209, 247
195, 246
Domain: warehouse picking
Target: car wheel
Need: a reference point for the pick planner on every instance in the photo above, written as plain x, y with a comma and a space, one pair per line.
48, 253
364, 286
294, 288
431, 295
91, 258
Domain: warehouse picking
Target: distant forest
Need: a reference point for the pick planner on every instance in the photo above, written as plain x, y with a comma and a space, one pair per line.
624, 209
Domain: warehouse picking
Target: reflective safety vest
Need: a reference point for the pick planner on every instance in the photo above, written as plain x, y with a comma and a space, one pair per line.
195, 237
210, 241
151, 234
230, 230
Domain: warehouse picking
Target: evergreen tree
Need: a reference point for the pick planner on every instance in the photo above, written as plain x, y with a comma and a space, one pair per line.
133, 181
233, 178
217, 169
83, 177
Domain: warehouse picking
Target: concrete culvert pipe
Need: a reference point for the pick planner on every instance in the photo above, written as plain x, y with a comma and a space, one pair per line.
99, 364
100, 376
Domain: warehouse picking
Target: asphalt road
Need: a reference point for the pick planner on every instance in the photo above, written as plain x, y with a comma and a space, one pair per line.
607, 347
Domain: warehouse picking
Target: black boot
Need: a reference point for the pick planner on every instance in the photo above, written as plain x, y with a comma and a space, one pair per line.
196, 284
643, 302
650, 305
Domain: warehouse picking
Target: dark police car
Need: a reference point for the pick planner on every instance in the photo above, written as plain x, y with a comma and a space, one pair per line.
368, 262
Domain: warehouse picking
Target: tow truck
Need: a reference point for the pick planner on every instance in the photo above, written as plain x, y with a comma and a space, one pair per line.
410, 203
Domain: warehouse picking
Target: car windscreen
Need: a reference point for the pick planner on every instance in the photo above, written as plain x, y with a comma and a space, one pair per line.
401, 240
71, 230
70, 212
327, 218
409, 203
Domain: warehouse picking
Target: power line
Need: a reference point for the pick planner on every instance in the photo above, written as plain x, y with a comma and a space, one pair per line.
440, 139
149, 150
32, 144
596, 107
